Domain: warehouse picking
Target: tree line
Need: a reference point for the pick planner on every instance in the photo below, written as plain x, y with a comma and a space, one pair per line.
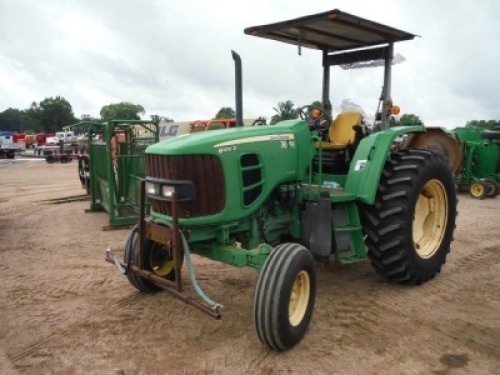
287, 111
52, 114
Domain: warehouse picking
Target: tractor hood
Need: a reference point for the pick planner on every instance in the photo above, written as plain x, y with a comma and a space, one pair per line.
231, 171
218, 142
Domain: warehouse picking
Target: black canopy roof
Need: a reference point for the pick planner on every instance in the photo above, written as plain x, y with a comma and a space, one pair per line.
331, 31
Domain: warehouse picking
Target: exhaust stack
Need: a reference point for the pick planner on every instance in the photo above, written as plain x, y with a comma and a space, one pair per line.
238, 88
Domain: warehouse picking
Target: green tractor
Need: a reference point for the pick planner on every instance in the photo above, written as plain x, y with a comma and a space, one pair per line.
278, 198
480, 169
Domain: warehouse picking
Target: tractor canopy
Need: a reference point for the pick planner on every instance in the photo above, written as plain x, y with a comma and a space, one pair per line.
331, 31
344, 39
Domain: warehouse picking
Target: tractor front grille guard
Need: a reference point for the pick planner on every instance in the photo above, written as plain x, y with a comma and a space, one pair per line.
197, 169
167, 234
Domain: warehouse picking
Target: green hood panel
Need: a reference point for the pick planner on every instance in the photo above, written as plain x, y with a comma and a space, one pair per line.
255, 160
209, 142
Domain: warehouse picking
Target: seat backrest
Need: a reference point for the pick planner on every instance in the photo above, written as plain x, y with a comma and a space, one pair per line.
341, 131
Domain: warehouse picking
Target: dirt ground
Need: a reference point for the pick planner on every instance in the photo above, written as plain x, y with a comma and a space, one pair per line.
64, 310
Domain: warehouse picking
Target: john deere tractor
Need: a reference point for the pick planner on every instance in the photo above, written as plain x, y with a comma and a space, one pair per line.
278, 198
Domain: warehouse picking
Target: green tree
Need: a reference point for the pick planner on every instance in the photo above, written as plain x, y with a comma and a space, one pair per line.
482, 124
158, 119
86, 117
11, 119
225, 112
51, 114
284, 111
407, 120
20, 121
32, 118
121, 111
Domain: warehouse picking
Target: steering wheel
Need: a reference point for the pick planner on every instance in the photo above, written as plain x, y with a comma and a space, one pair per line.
260, 121
316, 118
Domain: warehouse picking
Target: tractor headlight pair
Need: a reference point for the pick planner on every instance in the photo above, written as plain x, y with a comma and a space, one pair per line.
161, 189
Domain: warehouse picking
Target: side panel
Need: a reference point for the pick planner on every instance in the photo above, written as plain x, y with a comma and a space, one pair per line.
487, 158
368, 162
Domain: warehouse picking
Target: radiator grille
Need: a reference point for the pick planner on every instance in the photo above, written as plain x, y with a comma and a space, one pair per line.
205, 171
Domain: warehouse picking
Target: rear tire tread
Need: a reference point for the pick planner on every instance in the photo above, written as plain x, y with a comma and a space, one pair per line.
388, 223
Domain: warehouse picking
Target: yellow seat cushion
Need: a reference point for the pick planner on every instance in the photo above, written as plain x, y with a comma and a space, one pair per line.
341, 132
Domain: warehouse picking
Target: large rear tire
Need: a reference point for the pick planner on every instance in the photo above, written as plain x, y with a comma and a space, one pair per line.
158, 260
284, 296
410, 227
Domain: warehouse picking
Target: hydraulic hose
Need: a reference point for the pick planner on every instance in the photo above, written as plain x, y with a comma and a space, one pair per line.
190, 268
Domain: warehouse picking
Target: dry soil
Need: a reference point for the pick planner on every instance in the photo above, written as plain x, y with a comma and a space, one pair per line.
64, 310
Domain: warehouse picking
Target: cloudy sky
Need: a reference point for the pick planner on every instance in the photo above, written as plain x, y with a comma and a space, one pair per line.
173, 57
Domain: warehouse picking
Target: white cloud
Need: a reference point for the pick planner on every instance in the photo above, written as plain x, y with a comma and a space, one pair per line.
174, 58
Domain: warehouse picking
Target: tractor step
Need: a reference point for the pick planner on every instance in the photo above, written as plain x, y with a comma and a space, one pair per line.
350, 259
347, 229
348, 233
337, 193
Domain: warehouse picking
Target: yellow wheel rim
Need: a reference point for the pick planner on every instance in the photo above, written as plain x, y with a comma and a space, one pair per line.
160, 260
477, 190
429, 221
299, 298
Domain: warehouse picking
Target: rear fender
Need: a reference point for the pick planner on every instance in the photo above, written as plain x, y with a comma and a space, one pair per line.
369, 160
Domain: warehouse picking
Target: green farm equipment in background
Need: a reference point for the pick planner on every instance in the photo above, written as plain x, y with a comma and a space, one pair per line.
113, 166
277, 198
480, 169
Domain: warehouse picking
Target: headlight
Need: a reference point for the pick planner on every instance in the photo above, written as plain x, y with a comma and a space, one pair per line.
167, 191
163, 189
150, 188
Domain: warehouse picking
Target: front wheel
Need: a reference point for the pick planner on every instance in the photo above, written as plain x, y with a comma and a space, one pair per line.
410, 227
284, 296
158, 260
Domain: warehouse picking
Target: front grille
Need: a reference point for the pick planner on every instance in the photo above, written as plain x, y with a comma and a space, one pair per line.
205, 171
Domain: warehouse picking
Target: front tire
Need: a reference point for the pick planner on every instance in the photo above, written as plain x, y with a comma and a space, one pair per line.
158, 260
410, 227
284, 296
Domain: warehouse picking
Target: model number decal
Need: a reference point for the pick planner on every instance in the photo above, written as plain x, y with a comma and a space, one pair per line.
360, 165
287, 144
224, 150
289, 137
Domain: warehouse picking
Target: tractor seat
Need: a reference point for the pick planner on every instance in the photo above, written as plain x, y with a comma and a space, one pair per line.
342, 131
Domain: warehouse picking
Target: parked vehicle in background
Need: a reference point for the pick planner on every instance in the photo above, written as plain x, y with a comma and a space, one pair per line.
10, 144
63, 142
214, 124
